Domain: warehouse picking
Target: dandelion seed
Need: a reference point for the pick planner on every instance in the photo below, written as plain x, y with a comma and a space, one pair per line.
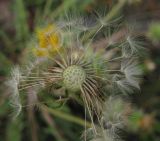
129, 80
13, 85
132, 47
132, 72
113, 115
113, 119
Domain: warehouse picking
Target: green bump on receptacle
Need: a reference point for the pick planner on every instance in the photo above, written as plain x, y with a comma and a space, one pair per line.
73, 77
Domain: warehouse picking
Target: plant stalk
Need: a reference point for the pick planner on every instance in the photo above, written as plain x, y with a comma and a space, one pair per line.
66, 116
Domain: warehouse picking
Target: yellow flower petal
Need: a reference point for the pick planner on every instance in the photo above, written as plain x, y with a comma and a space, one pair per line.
40, 52
54, 40
48, 40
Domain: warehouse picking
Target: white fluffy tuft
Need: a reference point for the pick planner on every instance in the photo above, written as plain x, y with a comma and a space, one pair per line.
13, 85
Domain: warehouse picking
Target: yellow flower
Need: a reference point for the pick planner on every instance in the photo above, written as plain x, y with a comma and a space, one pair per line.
40, 52
48, 41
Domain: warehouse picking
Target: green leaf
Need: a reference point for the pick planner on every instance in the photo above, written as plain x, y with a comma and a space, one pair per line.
154, 31
4, 65
14, 129
20, 20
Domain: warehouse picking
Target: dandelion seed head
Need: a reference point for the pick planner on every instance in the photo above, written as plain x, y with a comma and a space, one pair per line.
76, 67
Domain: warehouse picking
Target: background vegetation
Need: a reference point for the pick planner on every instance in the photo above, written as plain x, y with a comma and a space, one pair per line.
19, 19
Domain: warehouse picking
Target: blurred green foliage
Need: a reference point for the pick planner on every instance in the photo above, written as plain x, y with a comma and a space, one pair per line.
13, 41
20, 22
154, 32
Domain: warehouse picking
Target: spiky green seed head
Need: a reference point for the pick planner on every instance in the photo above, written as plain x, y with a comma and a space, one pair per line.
73, 77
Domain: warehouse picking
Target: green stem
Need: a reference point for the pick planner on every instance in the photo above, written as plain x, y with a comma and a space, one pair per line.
107, 18
64, 7
53, 127
115, 10
67, 116
47, 8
